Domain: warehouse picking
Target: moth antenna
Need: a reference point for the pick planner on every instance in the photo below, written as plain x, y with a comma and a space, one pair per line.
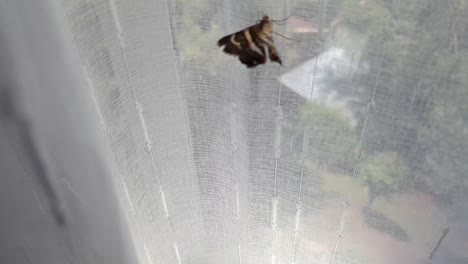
285, 19
280, 20
285, 37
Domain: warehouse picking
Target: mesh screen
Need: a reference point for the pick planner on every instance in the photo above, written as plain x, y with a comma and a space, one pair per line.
355, 151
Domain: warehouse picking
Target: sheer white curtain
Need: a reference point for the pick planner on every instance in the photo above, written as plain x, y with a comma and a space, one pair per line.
333, 158
57, 193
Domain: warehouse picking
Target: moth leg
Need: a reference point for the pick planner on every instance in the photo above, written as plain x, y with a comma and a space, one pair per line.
274, 55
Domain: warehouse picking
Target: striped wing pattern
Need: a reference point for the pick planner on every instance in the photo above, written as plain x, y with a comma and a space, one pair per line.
252, 45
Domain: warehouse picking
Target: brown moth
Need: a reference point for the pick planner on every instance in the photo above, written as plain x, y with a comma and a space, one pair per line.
253, 44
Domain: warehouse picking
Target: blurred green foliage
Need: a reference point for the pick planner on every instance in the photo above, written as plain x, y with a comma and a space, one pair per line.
372, 16
382, 173
321, 113
420, 49
331, 132
418, 63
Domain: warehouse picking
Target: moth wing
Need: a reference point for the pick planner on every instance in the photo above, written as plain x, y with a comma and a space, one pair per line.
265, 39
238, 44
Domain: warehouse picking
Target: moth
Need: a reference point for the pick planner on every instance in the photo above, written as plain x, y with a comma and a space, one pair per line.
253, 44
